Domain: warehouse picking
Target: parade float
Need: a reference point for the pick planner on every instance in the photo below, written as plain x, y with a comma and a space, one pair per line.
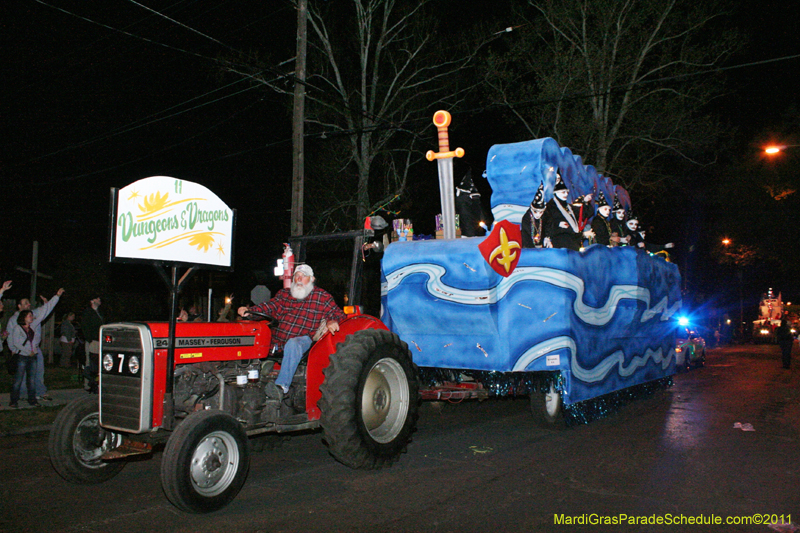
770, 311
574, 324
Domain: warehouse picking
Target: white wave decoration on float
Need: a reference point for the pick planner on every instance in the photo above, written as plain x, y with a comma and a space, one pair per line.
599, 372
598, 316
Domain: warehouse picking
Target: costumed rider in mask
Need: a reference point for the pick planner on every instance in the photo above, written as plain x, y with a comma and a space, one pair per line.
561, 226
601, 223
650, 247
302, 311
619, 231
632, 225
532, 224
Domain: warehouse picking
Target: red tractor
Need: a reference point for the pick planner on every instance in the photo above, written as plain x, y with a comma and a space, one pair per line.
359, 385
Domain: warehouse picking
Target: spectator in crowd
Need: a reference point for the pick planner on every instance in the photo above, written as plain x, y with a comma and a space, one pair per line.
785, 341
4, 288
39, 315
67, 339
24, 336
91, 322
6, 285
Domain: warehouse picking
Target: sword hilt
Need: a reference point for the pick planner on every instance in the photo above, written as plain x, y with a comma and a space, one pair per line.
441, 119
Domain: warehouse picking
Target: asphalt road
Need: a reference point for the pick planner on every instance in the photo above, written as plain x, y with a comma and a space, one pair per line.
476, 467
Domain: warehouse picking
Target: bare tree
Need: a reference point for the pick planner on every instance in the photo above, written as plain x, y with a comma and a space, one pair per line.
376, 73
622, 82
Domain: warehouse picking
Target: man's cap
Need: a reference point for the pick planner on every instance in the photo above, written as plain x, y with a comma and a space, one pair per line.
601, 200
305, 269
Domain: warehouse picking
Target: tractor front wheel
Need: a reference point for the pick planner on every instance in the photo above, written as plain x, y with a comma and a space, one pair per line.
77, 443
205, 462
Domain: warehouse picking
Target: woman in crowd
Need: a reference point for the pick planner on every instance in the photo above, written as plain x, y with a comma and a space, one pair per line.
24, 343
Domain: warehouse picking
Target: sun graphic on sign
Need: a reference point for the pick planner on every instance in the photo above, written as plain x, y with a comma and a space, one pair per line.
134, 195
154, 202
203, 241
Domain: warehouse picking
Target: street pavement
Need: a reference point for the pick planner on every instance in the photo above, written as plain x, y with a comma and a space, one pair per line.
485, 466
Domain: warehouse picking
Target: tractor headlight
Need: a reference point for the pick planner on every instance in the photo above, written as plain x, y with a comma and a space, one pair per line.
133, 364
108, 363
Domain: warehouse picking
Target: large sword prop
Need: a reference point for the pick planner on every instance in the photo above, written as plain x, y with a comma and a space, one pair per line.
441, 119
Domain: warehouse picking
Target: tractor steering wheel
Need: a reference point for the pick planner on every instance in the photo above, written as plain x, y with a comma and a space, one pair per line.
258, 315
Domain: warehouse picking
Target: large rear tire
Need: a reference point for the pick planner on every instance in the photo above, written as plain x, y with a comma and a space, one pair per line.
205, 462
548, 409
77, 443
370, 400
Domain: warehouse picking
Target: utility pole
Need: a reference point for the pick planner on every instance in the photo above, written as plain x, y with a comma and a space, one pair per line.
48, 330
34, 271
298, 120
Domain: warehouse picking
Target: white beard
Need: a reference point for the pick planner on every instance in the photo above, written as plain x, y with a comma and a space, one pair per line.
300, 291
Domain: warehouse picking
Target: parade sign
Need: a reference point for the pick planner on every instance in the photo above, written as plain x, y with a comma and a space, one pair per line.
171, 220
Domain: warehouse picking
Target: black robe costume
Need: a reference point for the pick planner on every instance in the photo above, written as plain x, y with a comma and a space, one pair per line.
619, 227
532, 230
602, 230
556, 213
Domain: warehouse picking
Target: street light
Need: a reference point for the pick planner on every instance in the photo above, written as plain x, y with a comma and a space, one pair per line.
777, 148
726, 241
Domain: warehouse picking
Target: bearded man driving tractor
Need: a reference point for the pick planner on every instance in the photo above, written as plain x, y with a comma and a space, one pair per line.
300, 311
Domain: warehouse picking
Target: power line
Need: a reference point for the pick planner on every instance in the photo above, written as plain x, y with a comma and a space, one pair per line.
125, 32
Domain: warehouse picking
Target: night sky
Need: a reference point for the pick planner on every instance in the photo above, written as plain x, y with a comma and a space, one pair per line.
87, 107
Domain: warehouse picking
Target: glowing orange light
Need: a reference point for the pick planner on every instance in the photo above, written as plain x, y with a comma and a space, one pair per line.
772, 149
726, 241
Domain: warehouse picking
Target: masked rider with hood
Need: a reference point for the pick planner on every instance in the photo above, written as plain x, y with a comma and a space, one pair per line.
532, 224
601, 223
619, 231
561, 225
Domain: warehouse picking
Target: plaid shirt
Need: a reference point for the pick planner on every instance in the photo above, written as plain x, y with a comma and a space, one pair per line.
299, 317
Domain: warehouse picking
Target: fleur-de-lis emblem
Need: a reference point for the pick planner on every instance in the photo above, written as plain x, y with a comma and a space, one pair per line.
501, 248
505, 250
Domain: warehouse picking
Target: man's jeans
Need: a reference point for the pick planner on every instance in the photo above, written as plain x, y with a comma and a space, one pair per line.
293, 352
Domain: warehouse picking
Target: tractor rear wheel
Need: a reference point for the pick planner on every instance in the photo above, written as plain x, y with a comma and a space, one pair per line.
370, 400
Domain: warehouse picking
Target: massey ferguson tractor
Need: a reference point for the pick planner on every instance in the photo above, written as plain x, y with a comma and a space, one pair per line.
460, 318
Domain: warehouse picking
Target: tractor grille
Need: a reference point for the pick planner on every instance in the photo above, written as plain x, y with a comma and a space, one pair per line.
125, 390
